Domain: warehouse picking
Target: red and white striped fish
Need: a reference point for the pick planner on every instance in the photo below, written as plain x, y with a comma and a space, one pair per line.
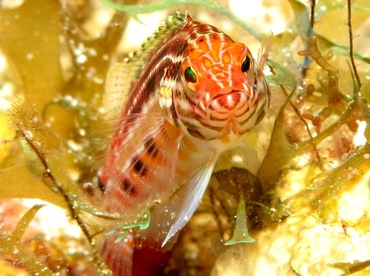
189, 95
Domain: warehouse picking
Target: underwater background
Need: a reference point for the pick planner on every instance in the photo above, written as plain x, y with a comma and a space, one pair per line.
299, 206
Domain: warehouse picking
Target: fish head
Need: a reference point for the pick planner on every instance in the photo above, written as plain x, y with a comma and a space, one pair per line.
227, 89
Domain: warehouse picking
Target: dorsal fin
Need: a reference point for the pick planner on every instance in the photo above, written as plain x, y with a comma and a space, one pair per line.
153, 42
122, 76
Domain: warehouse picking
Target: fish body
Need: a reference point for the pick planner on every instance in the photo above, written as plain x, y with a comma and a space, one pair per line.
190, 94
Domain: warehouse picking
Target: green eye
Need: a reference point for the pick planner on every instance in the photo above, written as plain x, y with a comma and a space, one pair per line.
247, 64
190, 75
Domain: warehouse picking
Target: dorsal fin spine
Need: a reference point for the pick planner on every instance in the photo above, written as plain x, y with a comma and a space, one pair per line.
171, 25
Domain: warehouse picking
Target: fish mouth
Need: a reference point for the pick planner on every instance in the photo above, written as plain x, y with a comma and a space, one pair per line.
228, 101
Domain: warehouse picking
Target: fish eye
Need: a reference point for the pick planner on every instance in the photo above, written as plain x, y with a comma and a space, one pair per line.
247, 64
190, 75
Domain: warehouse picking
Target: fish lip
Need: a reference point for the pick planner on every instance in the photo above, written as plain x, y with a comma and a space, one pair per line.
229, 100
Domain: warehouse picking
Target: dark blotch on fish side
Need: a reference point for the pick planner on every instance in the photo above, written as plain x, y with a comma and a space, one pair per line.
127, 187
101, 185
151, 148
139, 167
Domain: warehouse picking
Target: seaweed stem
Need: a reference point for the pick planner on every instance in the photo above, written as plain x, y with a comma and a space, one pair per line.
312, 140
59, 187
313, 6
351, 43
289, 96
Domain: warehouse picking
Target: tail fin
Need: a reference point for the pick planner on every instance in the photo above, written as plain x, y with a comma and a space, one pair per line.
117, 254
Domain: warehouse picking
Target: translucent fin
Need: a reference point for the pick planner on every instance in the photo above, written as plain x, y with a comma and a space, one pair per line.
194, 168
118, 83
117, 254
139, 171
189, 196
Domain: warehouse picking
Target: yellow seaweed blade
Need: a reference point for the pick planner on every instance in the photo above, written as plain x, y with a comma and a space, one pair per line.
11, 245
241, 234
